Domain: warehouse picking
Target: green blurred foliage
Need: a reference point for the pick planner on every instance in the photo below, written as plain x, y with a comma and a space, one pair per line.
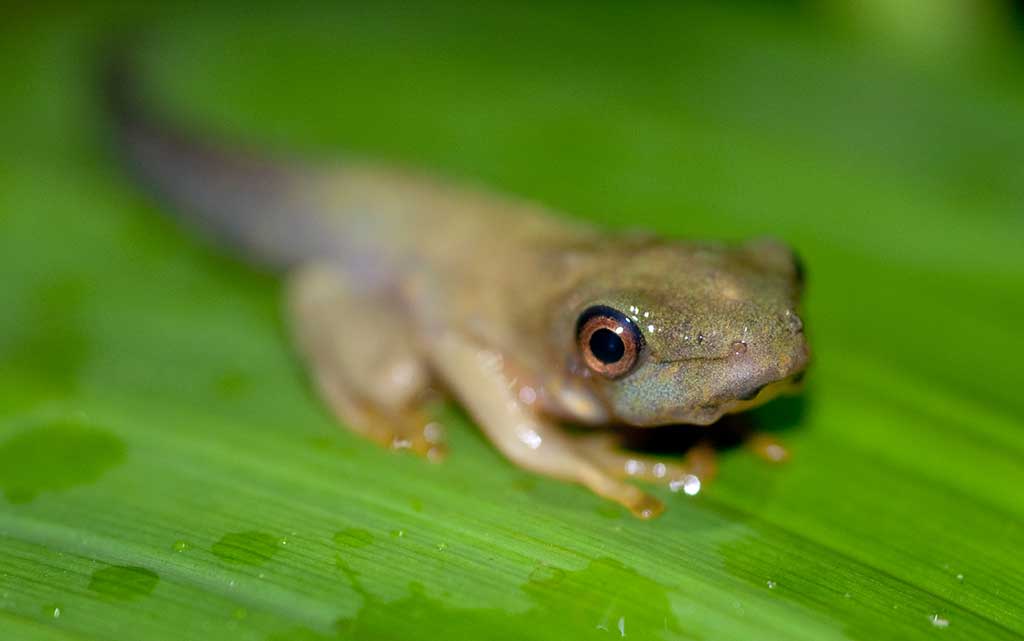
168, 473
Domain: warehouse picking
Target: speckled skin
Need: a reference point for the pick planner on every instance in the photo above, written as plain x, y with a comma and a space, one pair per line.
697, 304
399, 282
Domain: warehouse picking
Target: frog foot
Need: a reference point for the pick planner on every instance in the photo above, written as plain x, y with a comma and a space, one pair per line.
697, 467
767, 447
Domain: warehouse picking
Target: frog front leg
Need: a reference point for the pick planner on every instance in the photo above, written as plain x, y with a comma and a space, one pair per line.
479, 378
363, 358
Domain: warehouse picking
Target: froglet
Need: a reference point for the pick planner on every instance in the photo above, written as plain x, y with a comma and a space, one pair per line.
399, 283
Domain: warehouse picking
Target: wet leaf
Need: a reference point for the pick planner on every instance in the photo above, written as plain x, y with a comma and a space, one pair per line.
168, 473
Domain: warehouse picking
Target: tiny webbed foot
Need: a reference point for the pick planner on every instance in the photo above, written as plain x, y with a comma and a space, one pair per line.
767, 447
697, 467
415, 431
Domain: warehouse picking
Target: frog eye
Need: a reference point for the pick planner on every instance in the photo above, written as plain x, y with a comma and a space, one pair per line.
608, 341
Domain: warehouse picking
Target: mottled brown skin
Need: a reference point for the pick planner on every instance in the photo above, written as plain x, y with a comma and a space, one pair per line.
400, 283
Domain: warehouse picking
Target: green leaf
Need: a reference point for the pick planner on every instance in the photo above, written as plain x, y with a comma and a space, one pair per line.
167, 472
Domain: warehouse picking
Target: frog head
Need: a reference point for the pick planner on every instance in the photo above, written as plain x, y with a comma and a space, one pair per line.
665, 333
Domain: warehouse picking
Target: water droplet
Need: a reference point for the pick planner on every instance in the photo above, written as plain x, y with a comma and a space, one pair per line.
123, 581
55, 457
771, 585
491, 360
403, 373
689, 484
529, 436
441, 547
181, 546
960, 578
353, 537
938, 621
398, 533
739, 348
547, 575
433, 433
775, 452
53, 611
659, 470
622, 626
553, 598
247, 548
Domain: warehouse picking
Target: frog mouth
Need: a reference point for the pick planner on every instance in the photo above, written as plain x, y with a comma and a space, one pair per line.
761, 395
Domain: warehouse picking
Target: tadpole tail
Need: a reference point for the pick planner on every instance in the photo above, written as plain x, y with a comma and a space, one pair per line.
246, 202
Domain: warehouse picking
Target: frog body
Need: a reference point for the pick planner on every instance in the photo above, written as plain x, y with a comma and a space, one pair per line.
399, 283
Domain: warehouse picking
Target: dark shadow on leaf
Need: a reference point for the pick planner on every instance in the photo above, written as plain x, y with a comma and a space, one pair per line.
778, 417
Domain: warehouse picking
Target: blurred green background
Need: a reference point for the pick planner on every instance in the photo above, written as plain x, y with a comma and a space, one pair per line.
167, 473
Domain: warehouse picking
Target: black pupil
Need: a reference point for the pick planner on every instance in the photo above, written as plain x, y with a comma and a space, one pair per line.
607, 346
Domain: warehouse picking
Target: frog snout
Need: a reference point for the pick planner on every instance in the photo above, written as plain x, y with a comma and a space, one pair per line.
793, 321
752, 394
760, 366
